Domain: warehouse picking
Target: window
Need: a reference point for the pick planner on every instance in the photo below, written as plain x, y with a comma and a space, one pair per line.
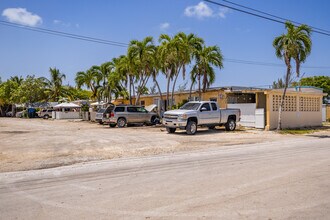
132, 109
120, 109
207, 106
214, 106
213, 99
141, 109
142, 102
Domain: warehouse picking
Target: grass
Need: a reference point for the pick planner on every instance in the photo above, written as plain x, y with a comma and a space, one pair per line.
298, 131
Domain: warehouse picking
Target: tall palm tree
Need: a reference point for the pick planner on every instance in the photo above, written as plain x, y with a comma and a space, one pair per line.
102, 72
142, 52
125, 66
206, 59
90, 79
55, 87
168, 56
186, 46
296, 44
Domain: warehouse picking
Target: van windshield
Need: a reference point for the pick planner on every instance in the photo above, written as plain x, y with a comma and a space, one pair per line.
190, 106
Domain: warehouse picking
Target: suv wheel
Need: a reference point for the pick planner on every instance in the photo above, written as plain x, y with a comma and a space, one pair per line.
46, 116
230, 125
191, 128
121, 122
170, 130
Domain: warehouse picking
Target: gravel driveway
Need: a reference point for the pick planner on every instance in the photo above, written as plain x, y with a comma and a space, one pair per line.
38, 144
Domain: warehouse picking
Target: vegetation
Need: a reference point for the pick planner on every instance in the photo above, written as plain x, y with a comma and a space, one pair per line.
124, 76
295, 45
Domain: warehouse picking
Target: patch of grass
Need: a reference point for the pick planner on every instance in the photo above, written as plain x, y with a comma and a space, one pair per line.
298, 131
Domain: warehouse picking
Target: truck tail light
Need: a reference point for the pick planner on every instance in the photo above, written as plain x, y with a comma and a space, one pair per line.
112, 114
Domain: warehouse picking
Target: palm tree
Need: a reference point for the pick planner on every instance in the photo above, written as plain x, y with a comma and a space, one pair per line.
55, 88
186, 46
102, 72
168, 56
296, 44
90, 79
206, 59
125, 66
142, 52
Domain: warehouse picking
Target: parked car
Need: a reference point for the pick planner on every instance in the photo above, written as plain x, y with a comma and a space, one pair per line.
130, 114
102, 114
200, 113
9, 114
46, 113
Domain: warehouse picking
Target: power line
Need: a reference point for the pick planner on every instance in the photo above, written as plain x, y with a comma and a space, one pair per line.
65, 34
258, 15
271, 15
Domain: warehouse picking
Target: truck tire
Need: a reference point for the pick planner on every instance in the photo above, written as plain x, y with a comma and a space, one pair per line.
191, 128
121, 122
230, 125
46, 116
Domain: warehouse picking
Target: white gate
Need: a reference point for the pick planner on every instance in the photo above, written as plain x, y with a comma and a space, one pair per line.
260, 118
248, 113
324, 113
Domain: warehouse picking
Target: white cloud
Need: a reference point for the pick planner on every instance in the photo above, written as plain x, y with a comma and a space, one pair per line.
22, 16
202, 10
65, 24
164, 26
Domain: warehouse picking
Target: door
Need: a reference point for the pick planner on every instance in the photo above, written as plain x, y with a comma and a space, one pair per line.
204, 114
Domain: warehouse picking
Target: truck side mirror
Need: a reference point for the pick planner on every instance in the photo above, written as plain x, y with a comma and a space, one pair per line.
203, 109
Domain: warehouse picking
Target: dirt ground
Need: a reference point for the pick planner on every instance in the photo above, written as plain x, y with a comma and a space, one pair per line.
38, 144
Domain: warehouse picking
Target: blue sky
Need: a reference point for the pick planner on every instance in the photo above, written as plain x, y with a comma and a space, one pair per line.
239, 36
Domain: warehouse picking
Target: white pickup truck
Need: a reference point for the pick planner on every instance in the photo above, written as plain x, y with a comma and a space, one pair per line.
200, 113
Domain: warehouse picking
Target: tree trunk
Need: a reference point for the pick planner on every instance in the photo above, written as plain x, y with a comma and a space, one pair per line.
168, 89
199, 87
159, 91
173, 87
192, 84
287, 78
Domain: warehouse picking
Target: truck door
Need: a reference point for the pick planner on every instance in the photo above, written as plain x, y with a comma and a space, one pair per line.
204, 114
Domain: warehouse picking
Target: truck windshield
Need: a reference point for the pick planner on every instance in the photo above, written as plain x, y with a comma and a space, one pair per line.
190, 106
102, 110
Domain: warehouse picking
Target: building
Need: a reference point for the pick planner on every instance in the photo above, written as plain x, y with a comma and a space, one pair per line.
259, 107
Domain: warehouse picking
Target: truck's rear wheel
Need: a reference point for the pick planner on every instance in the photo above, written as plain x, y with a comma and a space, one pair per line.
191, 128
170, 130
230, 125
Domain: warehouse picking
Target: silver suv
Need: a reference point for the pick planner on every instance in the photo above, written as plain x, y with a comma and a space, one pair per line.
129, 114
46, 113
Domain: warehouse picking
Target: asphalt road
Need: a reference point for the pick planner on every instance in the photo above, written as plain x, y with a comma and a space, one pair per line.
287, 179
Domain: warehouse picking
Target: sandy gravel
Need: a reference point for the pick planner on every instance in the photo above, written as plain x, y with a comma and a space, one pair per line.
37, 144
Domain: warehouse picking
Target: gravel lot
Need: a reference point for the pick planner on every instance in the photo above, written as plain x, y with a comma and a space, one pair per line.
38, 144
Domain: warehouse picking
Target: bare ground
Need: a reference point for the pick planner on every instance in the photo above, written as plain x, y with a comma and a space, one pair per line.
28, 144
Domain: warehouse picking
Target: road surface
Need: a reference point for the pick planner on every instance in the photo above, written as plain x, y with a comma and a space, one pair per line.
286, 179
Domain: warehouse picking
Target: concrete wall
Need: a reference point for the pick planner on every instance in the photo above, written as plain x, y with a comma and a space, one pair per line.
68, 115
297, 113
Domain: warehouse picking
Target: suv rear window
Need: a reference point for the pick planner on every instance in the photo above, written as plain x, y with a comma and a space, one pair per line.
119, 109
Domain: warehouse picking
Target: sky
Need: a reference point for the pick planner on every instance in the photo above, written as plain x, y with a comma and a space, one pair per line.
238, 35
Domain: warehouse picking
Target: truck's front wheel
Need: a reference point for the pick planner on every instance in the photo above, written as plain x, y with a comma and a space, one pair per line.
191, 128
230, 125
170, 130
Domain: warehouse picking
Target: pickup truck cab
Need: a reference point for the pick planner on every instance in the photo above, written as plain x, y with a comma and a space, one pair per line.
200, 113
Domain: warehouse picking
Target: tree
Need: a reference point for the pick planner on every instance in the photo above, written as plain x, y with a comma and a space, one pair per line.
55, 89
206, 58
169, 62
7, 90
125, 67
142, 52
296, 44
90, 79
322, 82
